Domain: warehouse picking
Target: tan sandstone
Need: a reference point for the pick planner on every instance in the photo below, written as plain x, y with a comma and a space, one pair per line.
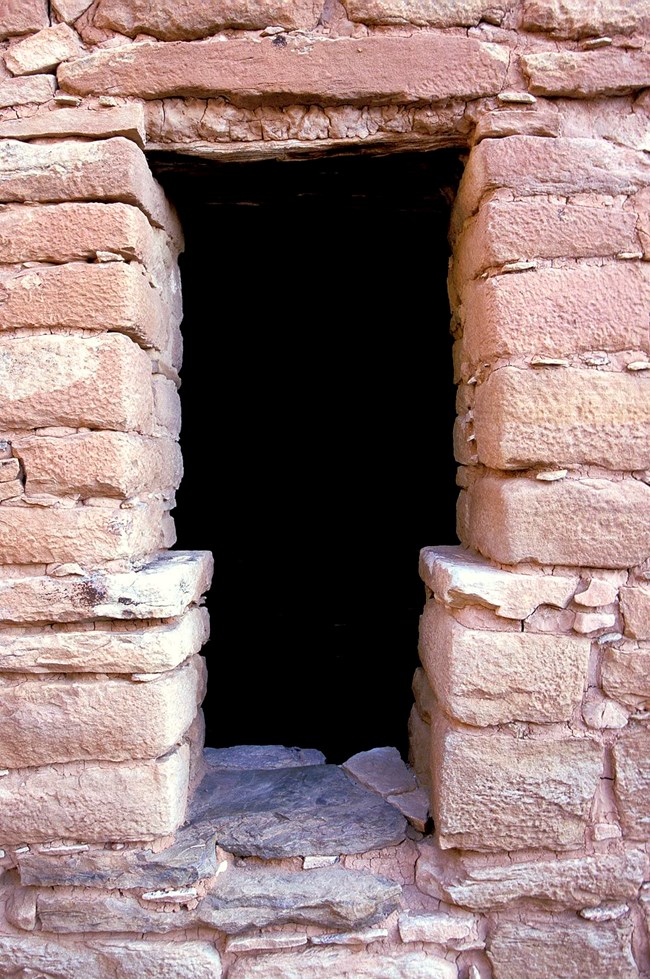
493, 791
31, 89
588, 522
632, 780
95, 801
374, 69
43, 51
585, 74
434, 13
22, 17
127, 121
171, 21
635, 606
583, 18
483, 678
571, 417
92, 382
327, 963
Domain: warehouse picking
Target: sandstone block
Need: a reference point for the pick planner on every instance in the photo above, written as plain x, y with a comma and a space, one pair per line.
484, 678
555, 312
586, 74
573, 882
47, 721
127, 121
492, 791
534, 165
112, 296
625, 675
95, 801
543, 946
382, 770
458, 930
98, 464
567, 417
324, 963
94, 382
106, 648
420, 747
123, 959
424, 700
33, 89
461, 578
584, 18
159, 588
108, 170
23, 17
588, 522
373, 69
86, 535
635, 606
632, 781
194, 19
70, 10
423, 12
512, 231
521, 119
167, 407
43, 51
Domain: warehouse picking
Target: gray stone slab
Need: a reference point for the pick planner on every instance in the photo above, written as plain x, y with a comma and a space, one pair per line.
262, 756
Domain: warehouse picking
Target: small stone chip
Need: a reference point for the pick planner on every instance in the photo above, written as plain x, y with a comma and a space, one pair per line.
518, 266
549, 362
175, 894
591, 43
639, 365
551, 475
516, 98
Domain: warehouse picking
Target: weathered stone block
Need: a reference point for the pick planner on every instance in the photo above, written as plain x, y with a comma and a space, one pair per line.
47, 721
573, 882
632, 781
421, 12
461, 578
328, 962
43, 51
22, 17
167, 407
564, 417
420, 747
484, 678
373, 69
532, 165
112, 296
160, 588
625, 675
127, 121
33, 89
588, 522
108, 170
586, 74
584, 18
93, 382
95, 801
98, 464
105, 648
635, 606
555, 312
123, 959
513, 231
194, 19
493, 791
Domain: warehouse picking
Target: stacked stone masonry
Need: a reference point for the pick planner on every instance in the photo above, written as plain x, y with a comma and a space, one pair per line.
530, 729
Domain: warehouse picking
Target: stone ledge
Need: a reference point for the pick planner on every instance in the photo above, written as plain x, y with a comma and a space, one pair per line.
169, 21
586, 74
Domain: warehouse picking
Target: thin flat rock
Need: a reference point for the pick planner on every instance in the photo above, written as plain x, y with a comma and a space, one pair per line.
247, 756
315, 809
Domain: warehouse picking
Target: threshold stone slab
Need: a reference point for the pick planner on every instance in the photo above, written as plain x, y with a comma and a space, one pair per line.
316, 809
261, 756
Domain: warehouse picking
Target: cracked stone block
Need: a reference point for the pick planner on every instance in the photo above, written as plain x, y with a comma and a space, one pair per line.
585, 18
29, 90
632, 781
127, 121
586, 74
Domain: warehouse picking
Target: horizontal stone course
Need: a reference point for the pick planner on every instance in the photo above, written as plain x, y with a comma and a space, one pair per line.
127, 121
570, 417
587, 74
95, 801
588, 522
171, 21
329, 962
423, 13
584, 18
369, 70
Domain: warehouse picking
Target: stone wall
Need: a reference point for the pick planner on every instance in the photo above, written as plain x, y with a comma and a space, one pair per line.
530, 724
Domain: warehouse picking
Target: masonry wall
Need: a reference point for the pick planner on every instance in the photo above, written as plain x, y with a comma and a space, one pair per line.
530, 727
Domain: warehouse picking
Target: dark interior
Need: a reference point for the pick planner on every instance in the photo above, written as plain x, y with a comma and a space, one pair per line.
317, 434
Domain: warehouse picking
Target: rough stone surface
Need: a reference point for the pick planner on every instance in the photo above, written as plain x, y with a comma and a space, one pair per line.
461, 578
34, 89
328, 962
585, 74
95, 801
43, 51
382, 770
542, 946
70, 10
127, 121
589, 522
48, 721
106, 170
458, 930
420, 747
635, 605
283, 812
243, 757
584, 18
192, 19
496, 792
160, 588
423, 12
92, 382
625, 675
98, 464
632, 781
573, 882
484, 678
90, 535
569, 417
555, 312
374, 69
109, 959
22, 17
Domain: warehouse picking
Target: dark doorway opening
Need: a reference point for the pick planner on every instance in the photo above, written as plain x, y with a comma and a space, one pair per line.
318, 407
